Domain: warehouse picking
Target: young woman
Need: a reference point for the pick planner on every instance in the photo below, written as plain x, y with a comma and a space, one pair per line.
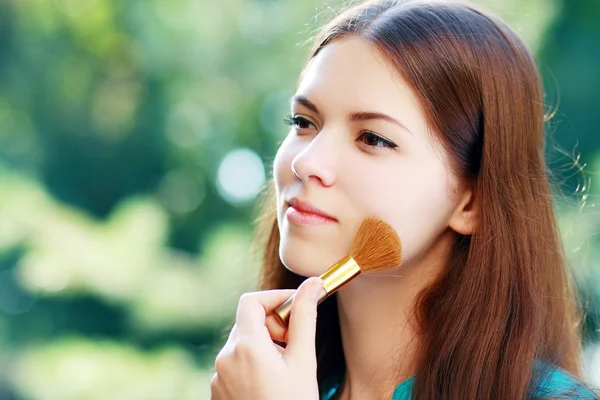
430, 116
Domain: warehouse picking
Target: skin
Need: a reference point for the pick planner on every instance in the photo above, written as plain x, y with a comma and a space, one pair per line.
350, 170
251, 366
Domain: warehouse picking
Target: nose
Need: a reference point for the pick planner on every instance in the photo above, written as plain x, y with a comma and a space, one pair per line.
317, 161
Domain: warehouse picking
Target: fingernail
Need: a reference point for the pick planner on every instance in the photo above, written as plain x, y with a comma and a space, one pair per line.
316, 287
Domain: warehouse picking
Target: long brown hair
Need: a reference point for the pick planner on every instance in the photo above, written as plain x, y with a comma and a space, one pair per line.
505, 298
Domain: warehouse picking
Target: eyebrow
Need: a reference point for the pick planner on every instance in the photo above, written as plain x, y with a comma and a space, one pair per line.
354, 116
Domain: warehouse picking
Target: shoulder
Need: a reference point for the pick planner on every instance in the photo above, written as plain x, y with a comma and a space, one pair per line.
556, 383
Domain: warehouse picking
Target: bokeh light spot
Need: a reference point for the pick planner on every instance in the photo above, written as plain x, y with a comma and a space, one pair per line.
240, 176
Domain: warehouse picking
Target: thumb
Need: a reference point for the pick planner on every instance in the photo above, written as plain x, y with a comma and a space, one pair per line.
303, 322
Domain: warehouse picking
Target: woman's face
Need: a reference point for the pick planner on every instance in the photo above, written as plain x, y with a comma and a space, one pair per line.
358, 146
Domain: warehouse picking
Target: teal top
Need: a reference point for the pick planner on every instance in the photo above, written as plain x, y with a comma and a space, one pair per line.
552, 382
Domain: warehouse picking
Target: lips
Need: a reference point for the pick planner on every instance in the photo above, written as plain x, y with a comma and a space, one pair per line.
307, 208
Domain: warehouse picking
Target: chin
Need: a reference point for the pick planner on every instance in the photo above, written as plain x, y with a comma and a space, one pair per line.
308, 258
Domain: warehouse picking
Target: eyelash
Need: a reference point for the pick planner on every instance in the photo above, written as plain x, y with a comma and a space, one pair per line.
295, 121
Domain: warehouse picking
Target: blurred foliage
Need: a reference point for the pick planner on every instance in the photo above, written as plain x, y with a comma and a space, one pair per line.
134, 136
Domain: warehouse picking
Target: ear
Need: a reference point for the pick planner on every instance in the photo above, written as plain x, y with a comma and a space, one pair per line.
464, 218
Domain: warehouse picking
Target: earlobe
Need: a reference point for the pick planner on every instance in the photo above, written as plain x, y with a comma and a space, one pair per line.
464, 219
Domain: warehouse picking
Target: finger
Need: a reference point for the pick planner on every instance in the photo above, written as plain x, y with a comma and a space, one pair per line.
214, 387
303, 322
276, 330
279, 349
254, 307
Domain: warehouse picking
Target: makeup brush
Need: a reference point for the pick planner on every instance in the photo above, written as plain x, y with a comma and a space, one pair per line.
375, 246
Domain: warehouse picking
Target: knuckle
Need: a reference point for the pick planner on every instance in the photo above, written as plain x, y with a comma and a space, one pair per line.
304, 319
214, 386
214, 381
304, 309
221, 361
246, 299
243, 298
243, 350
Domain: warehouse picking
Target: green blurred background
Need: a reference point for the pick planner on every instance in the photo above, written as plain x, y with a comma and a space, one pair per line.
134, 138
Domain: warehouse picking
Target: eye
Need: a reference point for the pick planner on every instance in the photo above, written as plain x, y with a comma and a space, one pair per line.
373, 140
297, 122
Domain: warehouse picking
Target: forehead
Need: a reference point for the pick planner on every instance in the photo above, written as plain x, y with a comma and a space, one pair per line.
352, 74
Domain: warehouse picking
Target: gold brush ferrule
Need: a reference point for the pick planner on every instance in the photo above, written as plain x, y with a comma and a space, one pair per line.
339, 274
334, 278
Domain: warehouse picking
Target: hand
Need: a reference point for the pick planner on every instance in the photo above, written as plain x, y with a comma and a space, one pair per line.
251, 366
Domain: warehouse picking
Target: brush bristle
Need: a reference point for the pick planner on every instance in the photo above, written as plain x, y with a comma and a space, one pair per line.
376, 246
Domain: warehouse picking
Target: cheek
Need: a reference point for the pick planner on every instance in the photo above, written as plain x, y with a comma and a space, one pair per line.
283, 176
388, 189
282, 165
415, 201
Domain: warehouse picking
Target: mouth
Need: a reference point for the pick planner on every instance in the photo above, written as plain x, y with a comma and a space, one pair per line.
301, 212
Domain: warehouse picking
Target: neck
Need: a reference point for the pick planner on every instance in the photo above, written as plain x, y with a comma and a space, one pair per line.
379, 332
